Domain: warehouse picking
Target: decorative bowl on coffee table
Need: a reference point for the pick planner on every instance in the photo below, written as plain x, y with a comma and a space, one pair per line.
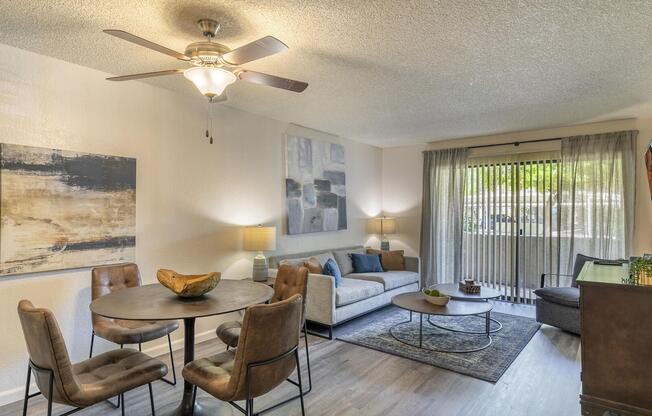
441, 300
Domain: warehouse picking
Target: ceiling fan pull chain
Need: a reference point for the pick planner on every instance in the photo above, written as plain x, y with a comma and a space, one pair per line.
211, 141
210, 113
208, 109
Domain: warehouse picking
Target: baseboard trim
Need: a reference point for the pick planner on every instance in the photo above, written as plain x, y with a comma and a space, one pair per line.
161, 349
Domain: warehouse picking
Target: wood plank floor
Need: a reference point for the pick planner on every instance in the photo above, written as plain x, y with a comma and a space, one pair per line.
352, 380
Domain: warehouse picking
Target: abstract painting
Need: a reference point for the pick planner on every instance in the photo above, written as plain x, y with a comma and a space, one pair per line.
315, 186
63, 210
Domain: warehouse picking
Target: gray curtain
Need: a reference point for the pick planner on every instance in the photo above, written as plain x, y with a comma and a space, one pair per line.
444, 176
597, 196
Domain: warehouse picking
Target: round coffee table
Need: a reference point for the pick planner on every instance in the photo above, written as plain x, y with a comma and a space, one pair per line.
453, 290
415, 302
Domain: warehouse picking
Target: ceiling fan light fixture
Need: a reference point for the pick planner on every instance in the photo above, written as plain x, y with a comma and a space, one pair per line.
210, 81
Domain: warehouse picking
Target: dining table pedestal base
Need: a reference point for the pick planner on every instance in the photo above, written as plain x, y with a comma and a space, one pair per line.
204, 406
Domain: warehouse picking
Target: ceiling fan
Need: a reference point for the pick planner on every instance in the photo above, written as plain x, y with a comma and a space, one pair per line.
215, 66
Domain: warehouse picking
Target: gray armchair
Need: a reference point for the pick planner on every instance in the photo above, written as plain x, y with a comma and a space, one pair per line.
560, 306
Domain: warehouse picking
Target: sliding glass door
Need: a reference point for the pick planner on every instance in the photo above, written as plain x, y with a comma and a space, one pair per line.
511, 223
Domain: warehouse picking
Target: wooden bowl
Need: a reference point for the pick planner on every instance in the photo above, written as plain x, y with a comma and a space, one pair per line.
436, 300
188, 286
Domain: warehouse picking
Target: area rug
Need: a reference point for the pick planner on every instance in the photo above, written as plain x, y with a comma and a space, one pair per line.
489, 364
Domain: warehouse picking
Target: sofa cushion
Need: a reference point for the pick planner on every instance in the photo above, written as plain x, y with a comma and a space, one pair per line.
298, 262
391, 260
567, 296
331, 269
389, 280
322, 258
344, 260
366, 263
354, 290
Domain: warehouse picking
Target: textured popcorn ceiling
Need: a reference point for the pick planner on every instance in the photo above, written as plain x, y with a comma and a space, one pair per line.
382, 72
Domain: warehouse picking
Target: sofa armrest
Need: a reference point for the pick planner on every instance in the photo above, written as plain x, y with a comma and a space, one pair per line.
567, 277
320, 302
413, 264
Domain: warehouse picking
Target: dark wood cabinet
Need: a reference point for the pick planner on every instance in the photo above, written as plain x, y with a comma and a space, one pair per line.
616, 323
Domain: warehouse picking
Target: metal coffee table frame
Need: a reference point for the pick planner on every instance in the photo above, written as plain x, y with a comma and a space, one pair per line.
487, 333
447, 328
468, 298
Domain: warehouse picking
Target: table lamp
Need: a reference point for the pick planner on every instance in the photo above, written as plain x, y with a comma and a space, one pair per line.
260, 239
383, 226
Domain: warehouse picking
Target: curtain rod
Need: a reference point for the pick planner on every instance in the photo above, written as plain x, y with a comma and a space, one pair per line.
514, 143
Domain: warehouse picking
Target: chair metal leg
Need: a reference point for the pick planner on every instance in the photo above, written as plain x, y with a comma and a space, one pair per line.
151, 398
50, 389
33, 367
140, 347
296, 355
122, 397
305, 332
296, 383
174, 371
29, 379
115, 406
248, 404
90, 354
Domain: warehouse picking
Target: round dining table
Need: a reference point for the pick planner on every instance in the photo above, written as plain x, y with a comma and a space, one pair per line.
156, 303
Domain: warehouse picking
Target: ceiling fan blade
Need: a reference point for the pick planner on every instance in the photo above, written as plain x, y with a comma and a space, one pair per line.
146, 75
272, 81
257, 49
146, 43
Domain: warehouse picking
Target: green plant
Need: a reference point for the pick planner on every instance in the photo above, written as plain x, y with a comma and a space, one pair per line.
639, 269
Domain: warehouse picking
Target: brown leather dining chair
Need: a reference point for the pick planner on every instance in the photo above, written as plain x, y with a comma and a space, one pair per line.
267, 354
290, 280
85, 383
108, 279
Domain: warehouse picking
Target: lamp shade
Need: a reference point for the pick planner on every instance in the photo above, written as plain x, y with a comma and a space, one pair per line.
210, 81
260, 238
383, 225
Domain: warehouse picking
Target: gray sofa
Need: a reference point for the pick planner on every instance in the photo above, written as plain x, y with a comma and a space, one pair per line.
358, 294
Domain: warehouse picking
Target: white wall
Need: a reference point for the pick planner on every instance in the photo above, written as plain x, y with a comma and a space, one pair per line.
402, 176
192, 198
402, 173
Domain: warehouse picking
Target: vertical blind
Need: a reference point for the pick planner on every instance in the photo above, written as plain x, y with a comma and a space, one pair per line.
511, 223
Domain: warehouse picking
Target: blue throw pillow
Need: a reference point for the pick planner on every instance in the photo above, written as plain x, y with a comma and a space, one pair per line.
366, 263
331, 269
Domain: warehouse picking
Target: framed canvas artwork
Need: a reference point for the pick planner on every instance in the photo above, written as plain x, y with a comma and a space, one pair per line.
315, 186
62, 210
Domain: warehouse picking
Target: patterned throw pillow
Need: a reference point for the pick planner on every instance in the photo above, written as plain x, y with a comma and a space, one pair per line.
366, 263
331, 269
391, 260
